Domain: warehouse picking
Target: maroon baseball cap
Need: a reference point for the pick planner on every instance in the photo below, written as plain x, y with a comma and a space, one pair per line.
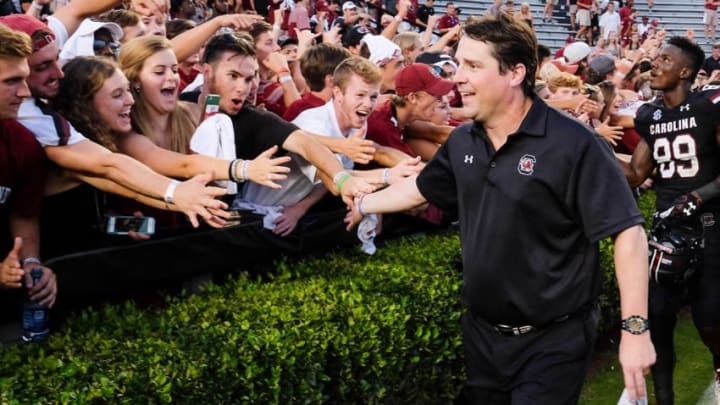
29, 25
421, 77
322, 5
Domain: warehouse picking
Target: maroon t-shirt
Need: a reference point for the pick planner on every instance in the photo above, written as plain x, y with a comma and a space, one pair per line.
306, 102
382, 127
270, 93
22, 177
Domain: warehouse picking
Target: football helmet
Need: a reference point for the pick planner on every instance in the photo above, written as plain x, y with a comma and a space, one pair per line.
674, 252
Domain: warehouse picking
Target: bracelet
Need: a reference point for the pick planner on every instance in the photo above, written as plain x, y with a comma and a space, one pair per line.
170, 191
398, 17
339, 174
386, 176
37, 6
32, 260
340, 178
277, 27
233, 169
281, 71
244, 171
285, 78
359, 205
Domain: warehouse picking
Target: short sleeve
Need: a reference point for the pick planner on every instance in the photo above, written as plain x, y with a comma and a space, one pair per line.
437, 182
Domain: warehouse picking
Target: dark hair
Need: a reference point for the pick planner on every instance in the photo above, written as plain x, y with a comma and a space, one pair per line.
644, 66
594, 77
258, 28
511, 42
543, 52
239, 43
607, 88
84, 77
123, 18
692, 51
177, 26
319, 61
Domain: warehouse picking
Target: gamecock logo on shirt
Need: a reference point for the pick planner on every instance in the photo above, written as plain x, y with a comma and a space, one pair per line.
526, 165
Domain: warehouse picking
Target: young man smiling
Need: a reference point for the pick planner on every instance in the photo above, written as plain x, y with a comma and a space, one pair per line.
229, 69
339, 123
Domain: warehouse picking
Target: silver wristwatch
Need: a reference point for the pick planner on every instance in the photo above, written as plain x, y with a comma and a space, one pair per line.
635, 324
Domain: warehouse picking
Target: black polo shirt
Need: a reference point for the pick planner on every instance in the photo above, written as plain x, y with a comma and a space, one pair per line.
531, 214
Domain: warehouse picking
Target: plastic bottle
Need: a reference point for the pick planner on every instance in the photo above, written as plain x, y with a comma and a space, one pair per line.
35, 316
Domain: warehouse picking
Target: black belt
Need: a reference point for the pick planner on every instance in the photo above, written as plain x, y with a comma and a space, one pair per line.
509, 330
520, 330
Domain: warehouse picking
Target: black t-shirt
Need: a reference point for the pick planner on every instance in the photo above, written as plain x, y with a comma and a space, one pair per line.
683, 143
258, 130
423, 13
531, 214
710, 64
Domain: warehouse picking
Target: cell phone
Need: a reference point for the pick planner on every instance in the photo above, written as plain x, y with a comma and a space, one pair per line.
212, 105
121, 225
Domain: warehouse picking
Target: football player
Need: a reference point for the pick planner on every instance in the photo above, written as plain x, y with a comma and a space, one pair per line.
679, 131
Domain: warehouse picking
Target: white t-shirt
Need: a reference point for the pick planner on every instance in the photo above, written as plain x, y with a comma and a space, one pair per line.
43, 126
60, 31
323, 121
301, 179
30, 115
610, 22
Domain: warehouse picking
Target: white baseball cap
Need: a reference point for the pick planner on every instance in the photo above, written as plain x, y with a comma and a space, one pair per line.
349, 5
576, 52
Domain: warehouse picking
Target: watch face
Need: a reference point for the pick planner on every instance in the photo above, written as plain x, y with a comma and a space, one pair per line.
635, 325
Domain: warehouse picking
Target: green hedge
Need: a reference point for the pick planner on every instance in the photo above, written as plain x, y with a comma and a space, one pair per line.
345, 328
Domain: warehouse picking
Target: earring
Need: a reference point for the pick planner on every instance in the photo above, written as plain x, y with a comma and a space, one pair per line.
137, 89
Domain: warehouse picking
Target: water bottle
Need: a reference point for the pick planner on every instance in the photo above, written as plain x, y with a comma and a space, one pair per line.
35, 316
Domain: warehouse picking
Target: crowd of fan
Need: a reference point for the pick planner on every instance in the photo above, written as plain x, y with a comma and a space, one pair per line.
367, 81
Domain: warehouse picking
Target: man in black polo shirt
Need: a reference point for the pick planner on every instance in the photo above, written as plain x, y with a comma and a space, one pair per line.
535, 191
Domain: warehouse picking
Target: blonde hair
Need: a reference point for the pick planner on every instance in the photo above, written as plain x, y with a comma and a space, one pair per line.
406, 41
357, 65
563, 79
548, 70
132, 60
14, 44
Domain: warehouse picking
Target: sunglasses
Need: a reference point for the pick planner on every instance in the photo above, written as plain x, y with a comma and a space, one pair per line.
99, 44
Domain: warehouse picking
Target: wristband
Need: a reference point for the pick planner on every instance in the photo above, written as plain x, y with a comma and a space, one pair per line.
281, 71
277, 27
37, 6
233, 170
386, 176
32, 260
398, 18
244, 170
170, 191
340, 178
285, 78
359, 205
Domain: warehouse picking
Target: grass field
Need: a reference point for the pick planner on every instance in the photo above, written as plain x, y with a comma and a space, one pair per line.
693, 372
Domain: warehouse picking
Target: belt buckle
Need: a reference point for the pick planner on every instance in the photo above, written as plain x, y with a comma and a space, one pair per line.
514, 330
